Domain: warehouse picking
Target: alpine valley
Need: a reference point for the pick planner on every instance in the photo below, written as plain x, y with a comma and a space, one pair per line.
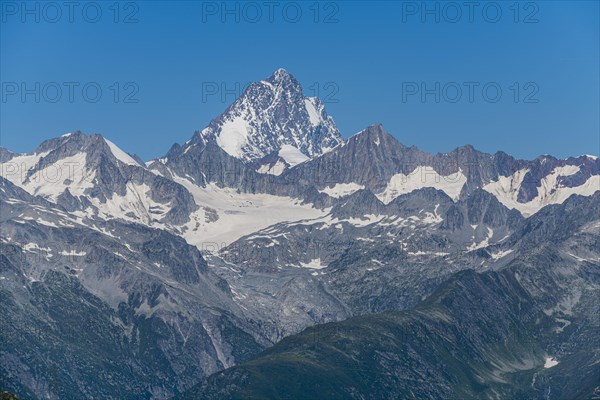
269, 258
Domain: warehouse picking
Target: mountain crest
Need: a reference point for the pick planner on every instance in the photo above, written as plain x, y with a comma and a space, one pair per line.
273, 119
283, 78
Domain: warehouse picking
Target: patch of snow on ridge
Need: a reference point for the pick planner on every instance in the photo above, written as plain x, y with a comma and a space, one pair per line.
69, 172
292, 155
550, 362
426, 253
233, 136
275, 169
501, 254
72, 253
342, 189
120, 154
366, 220
423, 177
313, 114
433, 218
15, 170
506, 189
313, 264
135, 205
34, 246
484, 243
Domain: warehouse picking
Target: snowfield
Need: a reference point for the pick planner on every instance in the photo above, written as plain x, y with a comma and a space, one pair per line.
239, 214
550, 191
423, 177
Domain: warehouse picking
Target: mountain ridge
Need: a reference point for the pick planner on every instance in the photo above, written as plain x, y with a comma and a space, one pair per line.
197, 261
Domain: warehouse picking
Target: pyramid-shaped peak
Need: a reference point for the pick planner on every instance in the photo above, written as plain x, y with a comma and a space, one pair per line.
280, 74
282, 78
372, 133
74, 140
375, 129
93, 145
272, 117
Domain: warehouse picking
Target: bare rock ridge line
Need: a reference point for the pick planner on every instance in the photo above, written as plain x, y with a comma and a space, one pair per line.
269, 257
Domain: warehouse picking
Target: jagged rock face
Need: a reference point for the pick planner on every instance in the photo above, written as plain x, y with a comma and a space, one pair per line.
5, 155
375, 160
98, 309
89, 174
576, 171
200, 259
273, 117
368, 158
269, 129
271, 114
205, 162
359, 203
506, 333
364, 248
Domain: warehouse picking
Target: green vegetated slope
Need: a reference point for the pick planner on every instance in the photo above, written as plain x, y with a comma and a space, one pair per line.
481, 335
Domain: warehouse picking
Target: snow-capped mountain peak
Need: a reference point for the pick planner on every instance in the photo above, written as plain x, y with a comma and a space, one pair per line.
121, 155
273, 115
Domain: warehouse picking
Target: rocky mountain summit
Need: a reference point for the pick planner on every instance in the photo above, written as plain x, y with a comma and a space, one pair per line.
272, 126
200, 273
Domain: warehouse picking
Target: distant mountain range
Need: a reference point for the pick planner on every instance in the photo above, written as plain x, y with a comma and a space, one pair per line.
267, 257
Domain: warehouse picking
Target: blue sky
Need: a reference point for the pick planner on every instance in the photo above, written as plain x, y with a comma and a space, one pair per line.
156, 62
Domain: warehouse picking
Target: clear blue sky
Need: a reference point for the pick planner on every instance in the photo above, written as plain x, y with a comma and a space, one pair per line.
374, 55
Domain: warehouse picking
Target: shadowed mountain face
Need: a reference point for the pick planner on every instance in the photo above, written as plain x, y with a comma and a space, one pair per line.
506, 334
108, 309
375, 160
451, 346
91, 175
429, 276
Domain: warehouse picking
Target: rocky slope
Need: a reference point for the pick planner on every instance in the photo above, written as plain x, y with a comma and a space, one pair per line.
126, 279
526, 330
99, 309
375, 160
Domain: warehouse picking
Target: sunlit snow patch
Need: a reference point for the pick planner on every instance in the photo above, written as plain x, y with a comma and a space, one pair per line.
550, 191
239, 214
313, 114
120, 154
423, 177
275, 169
342, 189
313, 264
550, 362
233, 136
292, 155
